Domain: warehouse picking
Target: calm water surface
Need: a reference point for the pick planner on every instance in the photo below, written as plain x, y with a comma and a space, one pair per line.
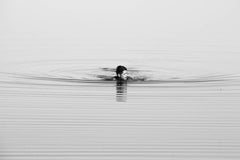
187, 107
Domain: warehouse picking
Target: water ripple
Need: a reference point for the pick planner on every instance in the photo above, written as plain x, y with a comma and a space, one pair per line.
75, 73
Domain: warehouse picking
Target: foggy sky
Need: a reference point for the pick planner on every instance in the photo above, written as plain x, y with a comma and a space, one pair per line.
114, 24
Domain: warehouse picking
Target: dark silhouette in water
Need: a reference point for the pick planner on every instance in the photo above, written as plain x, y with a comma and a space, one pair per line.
120, 69
122, 74
121, 83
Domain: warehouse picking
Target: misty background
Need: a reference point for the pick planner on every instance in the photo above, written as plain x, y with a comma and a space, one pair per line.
55, 105
58, 29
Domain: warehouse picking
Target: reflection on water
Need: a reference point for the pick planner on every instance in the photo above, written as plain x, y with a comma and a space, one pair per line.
58, 100
121, 91
71, 109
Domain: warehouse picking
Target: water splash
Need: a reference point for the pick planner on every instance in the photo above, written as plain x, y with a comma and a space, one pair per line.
85, 73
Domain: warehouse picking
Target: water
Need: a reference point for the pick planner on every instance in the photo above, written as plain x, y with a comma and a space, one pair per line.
182, 105
186, 108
